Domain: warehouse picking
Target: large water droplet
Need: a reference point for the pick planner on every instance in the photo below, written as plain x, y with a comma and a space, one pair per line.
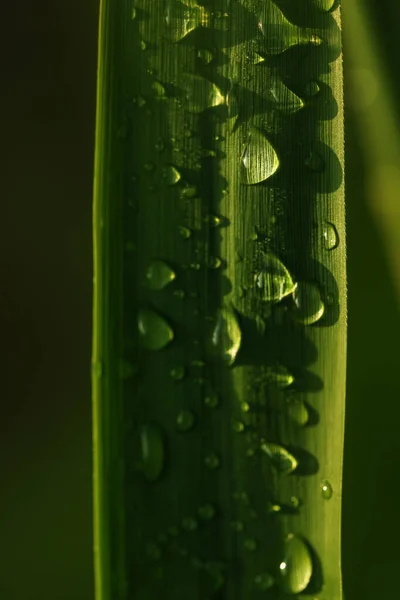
264, 581
159, 275
330, 236
259, 159
154, 331
273, 279
170, 175
279, 33
152, 451
326, 490
308, 305
282, 460
185, 420
181, 19
199, 93
296, 567
226, 336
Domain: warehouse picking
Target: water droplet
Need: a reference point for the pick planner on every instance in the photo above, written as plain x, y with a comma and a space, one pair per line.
152, 451
189, 524
159, 90
238, 426
226, 336
153, 551
214, 220
154, 331
200, 94
212, 461
296, 567
159, 275
185, 420
179, 294
279, 375
264, 581
274, 508
142, 45
308, 306
206, 56
282, 460
330, 236
140, 101
297, 411
237, 526
170, 175
250, 544
177, 373
207, 512
324, 5
273, 279
189, 191
314, 162
245, 406
326, 490
312, 88
241, 497
286, 100
295, 501
279, 33
133, 13
259, 159
212, 400
181, 19
214, 262
184, 232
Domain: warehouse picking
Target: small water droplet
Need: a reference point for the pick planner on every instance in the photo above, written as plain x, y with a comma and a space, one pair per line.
217, 577
226, 336
212, 461
237, 526
214, 262
205, 56
170, 175
149, 166
214, 220
185, 232
238, 426
245, 406
281, 458
177, 373
206, 512
200, 93
189, 191
250, 544
298, 411
314, 162
273, 278
211, 400
280, 376
296, 567
179, 294
326, 490
189, 524
133, 13
312, 88
330, 236
142, 45
295, 501
154, 331
159, 90
241, 497
308, 306
152, 451
264, 581
159, 275
185, 420
140, 101
330, 299
259, 159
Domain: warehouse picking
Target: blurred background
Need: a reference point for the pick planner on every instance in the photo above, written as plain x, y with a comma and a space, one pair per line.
48, 78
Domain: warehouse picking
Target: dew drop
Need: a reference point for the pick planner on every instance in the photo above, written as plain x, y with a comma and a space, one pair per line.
143, 45
154, 331
159, 275
264, 581
212, 461
297, 411
177, 373
211, 400
245, 407
296, 567
330, 236
133, 13
273, 279
214, 220
280, 376
170, 175
181, 20
200, 93
279, 33
286, 100
312, 88
282, 460
314, 162
206, 512
205, 56
238, 426
237, 526
250, 544
259, 159
215, 571
226, 336
295, 501
152, 451
324, 5
308, 306
185, 420
159, 90
179, 294
214, 262
326, 490
185, 232
189, 524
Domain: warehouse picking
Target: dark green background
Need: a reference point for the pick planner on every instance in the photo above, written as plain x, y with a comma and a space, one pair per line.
48, 76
